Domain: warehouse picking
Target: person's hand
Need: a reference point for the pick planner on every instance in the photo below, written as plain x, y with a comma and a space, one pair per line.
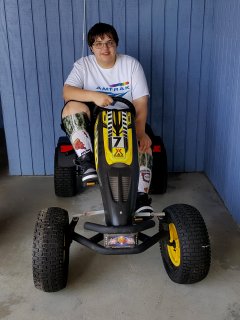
102, 99
144, 143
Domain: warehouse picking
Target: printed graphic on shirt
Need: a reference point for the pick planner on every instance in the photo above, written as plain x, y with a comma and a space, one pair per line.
115, 90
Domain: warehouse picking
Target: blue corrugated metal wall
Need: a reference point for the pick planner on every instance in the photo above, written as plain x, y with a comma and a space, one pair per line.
223, 125
40, 39
1, 117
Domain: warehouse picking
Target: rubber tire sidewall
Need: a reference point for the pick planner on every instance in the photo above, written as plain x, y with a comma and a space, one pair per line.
50, 253
195, 255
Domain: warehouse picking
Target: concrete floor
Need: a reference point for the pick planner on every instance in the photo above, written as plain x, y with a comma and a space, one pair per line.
115, 287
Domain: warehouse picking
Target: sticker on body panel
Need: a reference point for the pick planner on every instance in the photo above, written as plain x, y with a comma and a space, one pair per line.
118, 142
119, 152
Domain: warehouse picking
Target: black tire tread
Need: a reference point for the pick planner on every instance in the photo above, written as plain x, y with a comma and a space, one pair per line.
194, 245
50, 254
159, 170
65, 181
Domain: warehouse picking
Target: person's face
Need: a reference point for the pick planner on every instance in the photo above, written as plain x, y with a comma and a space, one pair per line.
104, 50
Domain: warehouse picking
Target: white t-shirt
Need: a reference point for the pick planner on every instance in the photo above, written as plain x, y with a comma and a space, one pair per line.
125, 79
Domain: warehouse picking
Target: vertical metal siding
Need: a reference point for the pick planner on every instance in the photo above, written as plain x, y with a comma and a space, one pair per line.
32, 114
1, 117
181, 85
44, 76
194, 78
170, 56
223, 130
40, 40
7, 95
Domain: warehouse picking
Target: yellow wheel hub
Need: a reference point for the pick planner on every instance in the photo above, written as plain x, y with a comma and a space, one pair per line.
174, 251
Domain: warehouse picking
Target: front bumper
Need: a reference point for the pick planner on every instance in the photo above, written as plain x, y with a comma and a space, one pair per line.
93, 242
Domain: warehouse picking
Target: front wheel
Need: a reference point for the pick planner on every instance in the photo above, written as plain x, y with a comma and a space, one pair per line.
186, 256
50, 255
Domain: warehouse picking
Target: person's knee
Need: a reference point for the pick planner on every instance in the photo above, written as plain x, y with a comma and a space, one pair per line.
73, 107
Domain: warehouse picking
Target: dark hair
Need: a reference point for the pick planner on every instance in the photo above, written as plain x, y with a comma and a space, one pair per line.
99, 30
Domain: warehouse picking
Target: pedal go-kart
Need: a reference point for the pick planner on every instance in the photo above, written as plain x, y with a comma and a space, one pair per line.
67, 175
182, 234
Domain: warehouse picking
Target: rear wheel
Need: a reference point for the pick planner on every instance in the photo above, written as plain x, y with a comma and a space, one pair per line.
50, 255
159, 169
187, 255
65, 180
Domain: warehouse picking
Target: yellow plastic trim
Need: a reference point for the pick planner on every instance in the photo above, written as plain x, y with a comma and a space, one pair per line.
174, 252
118, 154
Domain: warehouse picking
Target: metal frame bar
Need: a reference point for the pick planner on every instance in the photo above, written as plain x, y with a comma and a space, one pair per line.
93, 242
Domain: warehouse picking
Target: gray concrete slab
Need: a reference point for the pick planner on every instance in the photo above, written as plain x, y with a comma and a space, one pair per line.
115, 287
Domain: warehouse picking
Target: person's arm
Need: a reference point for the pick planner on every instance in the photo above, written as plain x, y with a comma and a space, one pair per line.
141, 107
74, 93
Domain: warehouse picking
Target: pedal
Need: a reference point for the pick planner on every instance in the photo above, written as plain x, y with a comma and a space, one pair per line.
143, 214
149, 214
88, 213
91, 184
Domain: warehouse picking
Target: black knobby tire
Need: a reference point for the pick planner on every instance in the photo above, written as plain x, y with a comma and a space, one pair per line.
50, 255
159, 168
65, 179
187, 259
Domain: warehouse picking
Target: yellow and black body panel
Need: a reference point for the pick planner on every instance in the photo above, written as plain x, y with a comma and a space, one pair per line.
116, 159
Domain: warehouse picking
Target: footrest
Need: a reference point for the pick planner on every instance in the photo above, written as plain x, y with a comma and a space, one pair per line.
121, 229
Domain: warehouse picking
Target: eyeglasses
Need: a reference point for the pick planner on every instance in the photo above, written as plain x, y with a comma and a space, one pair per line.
100, 45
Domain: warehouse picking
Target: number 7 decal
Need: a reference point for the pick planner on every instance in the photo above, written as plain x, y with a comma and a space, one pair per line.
117, 142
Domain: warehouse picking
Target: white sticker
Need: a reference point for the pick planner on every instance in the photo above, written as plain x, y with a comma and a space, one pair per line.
117, 142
